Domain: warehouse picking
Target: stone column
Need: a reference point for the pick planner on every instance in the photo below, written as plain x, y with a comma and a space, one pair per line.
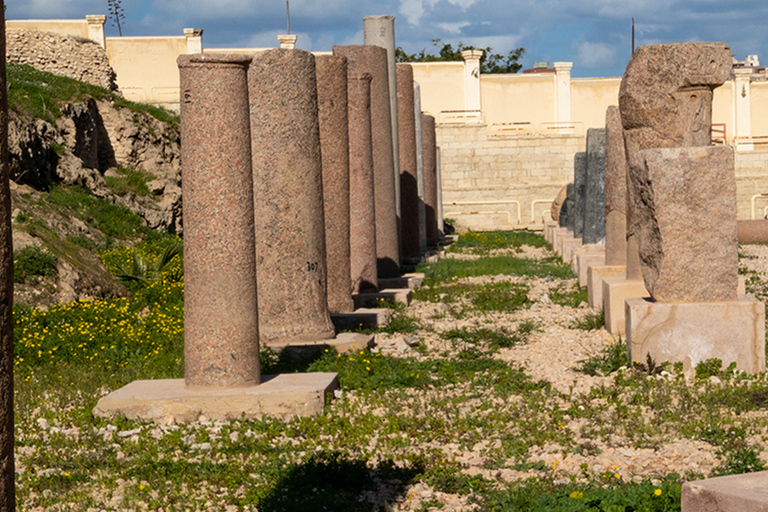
334, 145
439, 179
380, 31
288, 198
221, 346
409, 185
96, 28
741, 97
615, 190
362, 203
563, 93
420, 168
594, 211
579, 194
373, 60
7, 466
472, 79
194, 40
430, 176
287, 41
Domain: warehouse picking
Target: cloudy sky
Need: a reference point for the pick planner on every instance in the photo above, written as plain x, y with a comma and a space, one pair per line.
593, 34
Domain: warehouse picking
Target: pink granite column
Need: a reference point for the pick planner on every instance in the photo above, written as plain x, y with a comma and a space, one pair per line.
373, 60
362, 202
288, 198
7, 485
334, 145
220, 307
430, 176
615, 190
409, 184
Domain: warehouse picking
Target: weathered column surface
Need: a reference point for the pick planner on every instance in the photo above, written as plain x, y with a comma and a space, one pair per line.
430, 176
439, 187
409, 184
594, 197
220, 308
615, 190
373, 60
420, 168
665, 100
362, 207
579, 193
334, 145
288, 198
7, 486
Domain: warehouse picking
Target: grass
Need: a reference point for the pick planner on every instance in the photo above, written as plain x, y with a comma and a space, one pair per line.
31, 263
130, 181
459, 420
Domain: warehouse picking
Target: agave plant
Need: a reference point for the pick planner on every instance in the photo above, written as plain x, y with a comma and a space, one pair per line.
142, 270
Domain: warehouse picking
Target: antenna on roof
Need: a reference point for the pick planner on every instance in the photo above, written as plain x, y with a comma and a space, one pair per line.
288, 16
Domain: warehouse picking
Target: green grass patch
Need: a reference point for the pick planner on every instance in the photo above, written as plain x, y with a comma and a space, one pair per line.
31, 263
570, 296
590, 321
447, 268
503, 296
489, 240
612, 357
131, 181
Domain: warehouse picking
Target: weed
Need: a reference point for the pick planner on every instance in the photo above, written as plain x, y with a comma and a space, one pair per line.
32, 262
744, 459
571, 296
482, 336
612, 357
504, 296
131, 181
590, 321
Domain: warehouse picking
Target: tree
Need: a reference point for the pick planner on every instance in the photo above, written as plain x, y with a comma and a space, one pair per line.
116, 13
489, 63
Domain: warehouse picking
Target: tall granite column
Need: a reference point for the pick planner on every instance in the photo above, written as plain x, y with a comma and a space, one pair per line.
430, 176
380, 31
373, 60
439, 183
615, 190
221, 335
594, 211
420, 168
7, 466
362, 203
334, 145
579, 193
288, 198
409, 184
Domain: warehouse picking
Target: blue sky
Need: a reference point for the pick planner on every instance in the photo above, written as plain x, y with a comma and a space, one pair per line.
593, 34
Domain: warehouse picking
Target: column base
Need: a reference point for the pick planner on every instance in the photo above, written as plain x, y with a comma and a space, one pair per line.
169, 400
557, 235
595, 276
616, 289
410, 281
732, 331
567, 245
748, 492
391, 295
362, 318
584, 256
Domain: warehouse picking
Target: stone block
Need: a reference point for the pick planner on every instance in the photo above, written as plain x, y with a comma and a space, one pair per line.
411, 281
362, 318
584, 249
686, 256
584, 261
752, 231
732, 493
388, 295
567, 247
557, 235
732, 331
616, 290
595, 275
282, 396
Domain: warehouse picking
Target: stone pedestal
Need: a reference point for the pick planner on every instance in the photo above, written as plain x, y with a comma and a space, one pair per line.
733, 493
567, 245
334, 145
549, 226
386, 295
595, 276
409, 179
556, 236
288, 198
752, 231
594, 255
373, 60
362, 202
616, 290
221, 331
428, 141
732, 331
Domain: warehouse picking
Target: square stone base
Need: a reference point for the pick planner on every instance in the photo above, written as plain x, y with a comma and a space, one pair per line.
595, 276
362, 318
742, 493
567, 245
282, 396
616, 289
584, 249
557, 235
392, 295
549, 225
583, 259
732, 331
343, 342
410, 281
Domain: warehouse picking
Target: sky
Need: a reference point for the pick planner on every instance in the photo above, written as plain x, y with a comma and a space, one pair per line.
593, 34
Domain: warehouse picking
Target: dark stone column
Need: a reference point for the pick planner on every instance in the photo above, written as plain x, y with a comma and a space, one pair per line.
288, 198
220, 307
409, 184
594, 211
579, 193
430, 176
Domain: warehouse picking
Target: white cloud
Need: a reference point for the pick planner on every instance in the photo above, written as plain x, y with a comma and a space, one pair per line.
453, 28
594, 55
413, 10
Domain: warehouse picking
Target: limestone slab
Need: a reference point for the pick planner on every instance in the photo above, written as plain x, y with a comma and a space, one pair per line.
584, 261
566, 248
283, 396
341, 342
686, 256
595, 276
616, 290
361, 318
410, 280
732, 331
584, 249
390, 295
733, 493
752, 231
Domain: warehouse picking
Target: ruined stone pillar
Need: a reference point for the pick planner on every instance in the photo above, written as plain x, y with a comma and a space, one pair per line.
594, 197
742, 96
287, 41
221, 345
420, 168
430, 176
439, 180
615, 190
373, 60
96, 28
409, 185
472, 79
380, 31
579, 194
7, 466
288, 198
362, 203
334, 145
563, 91
194, 40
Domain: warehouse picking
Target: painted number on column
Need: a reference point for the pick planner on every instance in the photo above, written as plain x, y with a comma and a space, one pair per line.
187, 96
312, 266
